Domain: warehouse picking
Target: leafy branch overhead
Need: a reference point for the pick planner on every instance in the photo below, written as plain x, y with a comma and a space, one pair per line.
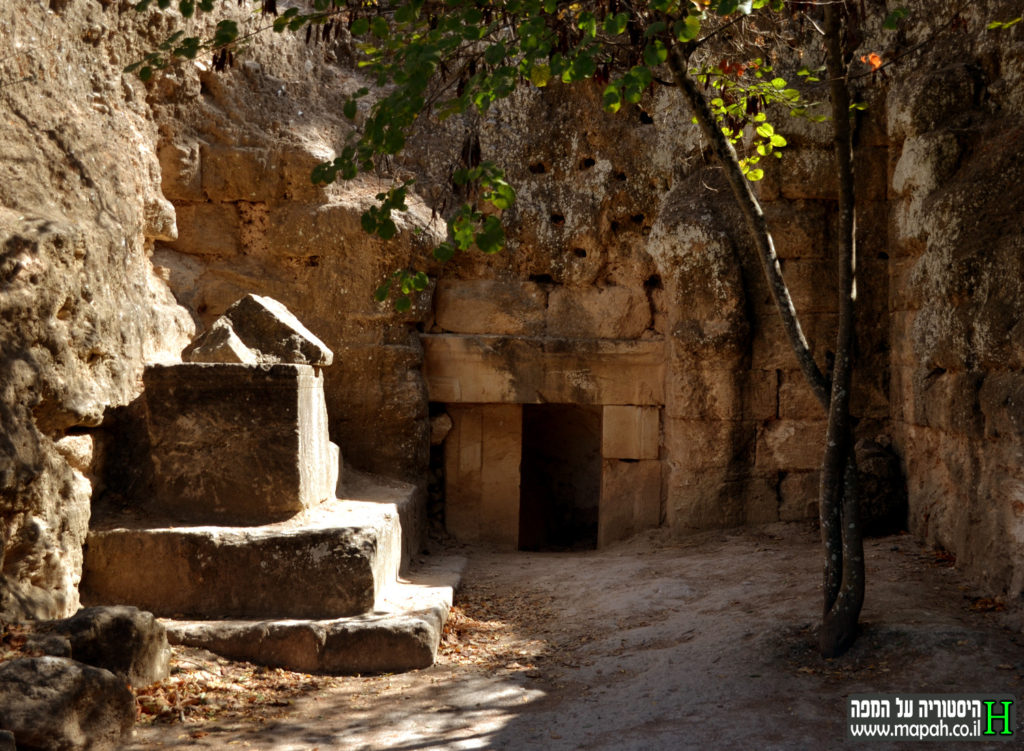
452, 57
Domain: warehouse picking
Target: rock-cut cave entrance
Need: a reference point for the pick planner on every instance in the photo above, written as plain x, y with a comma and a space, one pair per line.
560, 477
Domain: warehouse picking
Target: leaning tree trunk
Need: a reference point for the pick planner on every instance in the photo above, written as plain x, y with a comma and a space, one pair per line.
754, 217
840, 527
840, 523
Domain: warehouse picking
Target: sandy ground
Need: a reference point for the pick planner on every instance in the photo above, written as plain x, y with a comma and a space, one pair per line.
706, 643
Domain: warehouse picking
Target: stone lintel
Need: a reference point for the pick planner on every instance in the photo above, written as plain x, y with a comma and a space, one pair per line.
495, 369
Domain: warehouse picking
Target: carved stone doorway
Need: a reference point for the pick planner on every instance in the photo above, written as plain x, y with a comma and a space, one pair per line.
560, 477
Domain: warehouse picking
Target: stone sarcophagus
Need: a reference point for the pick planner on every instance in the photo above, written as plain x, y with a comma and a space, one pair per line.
245, 444
243, 439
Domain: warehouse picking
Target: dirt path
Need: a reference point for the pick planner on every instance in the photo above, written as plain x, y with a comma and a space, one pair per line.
704, 644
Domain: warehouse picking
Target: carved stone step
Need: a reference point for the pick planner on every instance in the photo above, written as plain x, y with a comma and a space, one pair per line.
327, 562
401, 632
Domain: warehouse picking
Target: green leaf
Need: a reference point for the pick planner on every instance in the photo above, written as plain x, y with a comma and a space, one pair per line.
654, 29
582, 68
765, 130
462, 229
892, 21
369, 221
587, 23
615, 25
360, 26
540, 75
492, 238
611, 99
687, 29
778, 141
725, 7
444, 252
226, 32
186, 8
495, 53
322, 173
755, 174
379, 27
503, 196
779, 83
386, 228
381, 293
403, 304
635, 83
350, 109
655, 53
170, 41
394, 141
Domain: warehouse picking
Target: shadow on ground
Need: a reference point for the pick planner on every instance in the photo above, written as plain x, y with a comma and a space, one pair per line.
654, 644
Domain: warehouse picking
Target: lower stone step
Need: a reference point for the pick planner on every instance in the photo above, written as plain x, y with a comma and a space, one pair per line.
329, 561
400, 633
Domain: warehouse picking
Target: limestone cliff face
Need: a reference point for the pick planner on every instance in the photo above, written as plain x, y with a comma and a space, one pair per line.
81, 308
625, 230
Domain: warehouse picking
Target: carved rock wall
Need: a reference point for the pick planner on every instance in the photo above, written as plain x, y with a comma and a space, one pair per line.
623, 233
81, 308
957, 298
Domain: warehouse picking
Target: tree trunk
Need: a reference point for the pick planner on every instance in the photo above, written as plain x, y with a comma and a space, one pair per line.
838, 503
840, 526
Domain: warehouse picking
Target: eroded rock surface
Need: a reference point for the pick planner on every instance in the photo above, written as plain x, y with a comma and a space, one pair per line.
57, 703
81, 308
128, 642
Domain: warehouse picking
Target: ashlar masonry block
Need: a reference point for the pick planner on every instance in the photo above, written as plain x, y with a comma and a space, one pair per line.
238, 444
630, 432
482, 458
630, 499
